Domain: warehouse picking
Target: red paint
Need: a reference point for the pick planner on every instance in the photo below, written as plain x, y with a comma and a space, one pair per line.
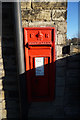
40, 42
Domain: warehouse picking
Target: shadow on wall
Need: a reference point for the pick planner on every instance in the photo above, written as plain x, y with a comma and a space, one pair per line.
10, 84
10, 81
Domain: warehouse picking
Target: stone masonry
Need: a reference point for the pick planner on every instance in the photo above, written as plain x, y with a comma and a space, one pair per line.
66, 103
53, 14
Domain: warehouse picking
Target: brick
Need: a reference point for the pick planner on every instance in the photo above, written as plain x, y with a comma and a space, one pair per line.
33, 15
59, 15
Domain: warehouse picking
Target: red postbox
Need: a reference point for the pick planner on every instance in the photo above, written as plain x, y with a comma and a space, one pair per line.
40, 63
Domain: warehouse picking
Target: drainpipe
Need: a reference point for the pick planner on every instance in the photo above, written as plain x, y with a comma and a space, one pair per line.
19, 37
20, 59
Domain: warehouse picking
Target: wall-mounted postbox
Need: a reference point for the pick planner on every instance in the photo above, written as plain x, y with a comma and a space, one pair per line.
40, 63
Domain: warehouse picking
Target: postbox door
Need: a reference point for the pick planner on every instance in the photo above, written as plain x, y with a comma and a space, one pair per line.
39, 66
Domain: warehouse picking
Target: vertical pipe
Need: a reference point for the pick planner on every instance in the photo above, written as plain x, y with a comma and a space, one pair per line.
20, 60
19, 37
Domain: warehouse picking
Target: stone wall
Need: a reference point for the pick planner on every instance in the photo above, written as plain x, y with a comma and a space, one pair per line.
53, 14
67, 85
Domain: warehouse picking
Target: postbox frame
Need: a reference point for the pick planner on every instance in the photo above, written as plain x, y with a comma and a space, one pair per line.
51, 97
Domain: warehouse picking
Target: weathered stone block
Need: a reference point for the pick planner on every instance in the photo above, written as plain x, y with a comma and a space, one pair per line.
61, 27
1, 66
44, 15
26, 5
60, 71
73, 73
4, 113
39, 15
49, 5
0, 43
61, 38
59, 91
59, 15
1, 87
2, 95
72, 111
58, 101
75, 57
61, 62
74, 49
73, 65
24, 23
60, 81
73, 81
23, 5
2, 104
0, 52
59, 112
0, 81
12, 104
59, 50
1, 73
41, 24
1, 60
